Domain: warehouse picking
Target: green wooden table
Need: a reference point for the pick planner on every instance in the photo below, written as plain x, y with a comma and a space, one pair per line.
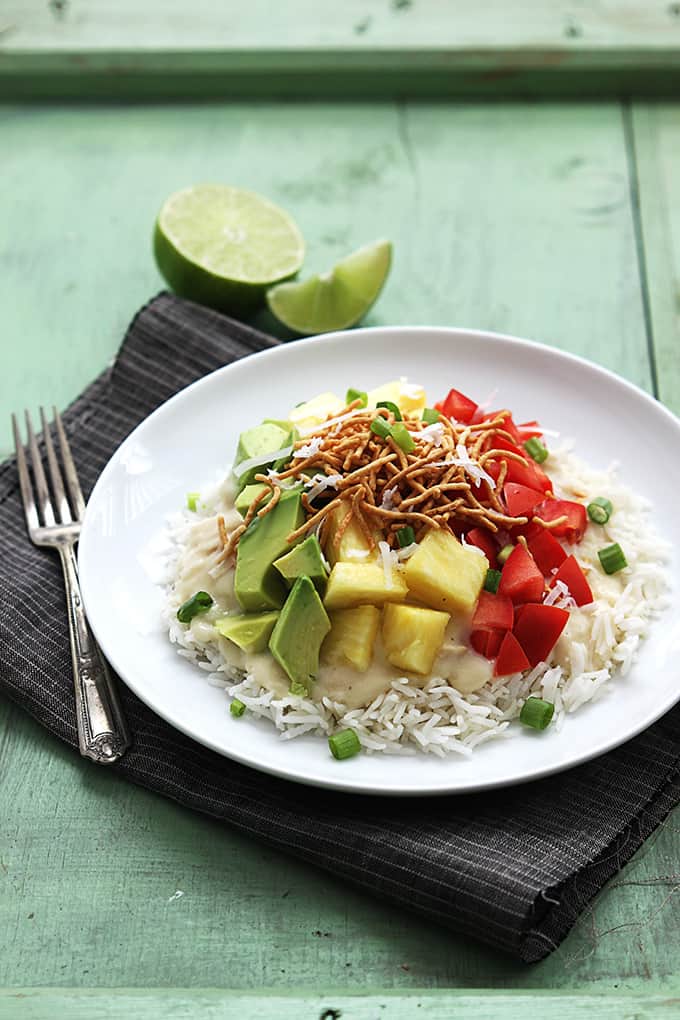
554, 220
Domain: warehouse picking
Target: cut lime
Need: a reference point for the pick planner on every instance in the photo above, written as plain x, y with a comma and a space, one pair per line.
337, 299
223, 246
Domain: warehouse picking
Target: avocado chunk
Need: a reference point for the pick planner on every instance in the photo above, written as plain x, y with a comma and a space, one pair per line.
297, 636
258, 442
247, 495
257, 585
250, 632
306, 559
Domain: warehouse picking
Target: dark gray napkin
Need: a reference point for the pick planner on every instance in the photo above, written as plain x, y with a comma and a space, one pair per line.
513, 869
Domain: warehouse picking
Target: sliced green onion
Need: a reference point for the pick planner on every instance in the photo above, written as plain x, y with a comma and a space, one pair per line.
612, 558
430, 415
344, 744
380, 427
198, 603
536, 713
402, 437
192, 500
391, 406
237, 708
353, 394
504, 553
406, 536
599, 510
536, 449
492, 580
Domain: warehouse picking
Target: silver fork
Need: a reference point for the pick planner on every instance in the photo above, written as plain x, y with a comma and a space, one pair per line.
102, 733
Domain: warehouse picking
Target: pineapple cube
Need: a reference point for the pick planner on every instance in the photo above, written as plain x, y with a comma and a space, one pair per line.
412, 637
351, 638
409, 398
353, 546
444, 574
307, 416
360, 584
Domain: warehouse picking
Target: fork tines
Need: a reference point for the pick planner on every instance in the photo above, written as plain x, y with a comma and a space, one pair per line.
65, 503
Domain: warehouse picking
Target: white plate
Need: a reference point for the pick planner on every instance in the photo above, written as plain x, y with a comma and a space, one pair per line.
188, 440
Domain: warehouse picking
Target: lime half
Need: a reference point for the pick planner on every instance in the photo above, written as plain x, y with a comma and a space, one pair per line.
223, 246
337, 299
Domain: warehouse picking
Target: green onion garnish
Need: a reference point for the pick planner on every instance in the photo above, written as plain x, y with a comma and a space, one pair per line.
237, 708
536, 449
406, 536
353, 394
380, 427
402, 437
391, 406
504, 553
344, 744
192, 500
612, 558
599, 510
536, 713
198, 603
430, 415
492, 580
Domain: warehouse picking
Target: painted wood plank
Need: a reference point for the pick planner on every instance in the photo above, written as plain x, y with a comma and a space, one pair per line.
389, 48
657, 151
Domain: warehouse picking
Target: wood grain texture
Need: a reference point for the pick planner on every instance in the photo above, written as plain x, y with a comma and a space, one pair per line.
392, 47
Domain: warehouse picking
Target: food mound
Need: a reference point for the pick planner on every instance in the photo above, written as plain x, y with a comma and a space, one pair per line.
398, 576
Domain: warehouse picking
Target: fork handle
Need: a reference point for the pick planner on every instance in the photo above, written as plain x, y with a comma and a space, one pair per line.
102, 733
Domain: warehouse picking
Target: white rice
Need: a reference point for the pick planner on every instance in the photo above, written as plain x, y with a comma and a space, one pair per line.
436, 718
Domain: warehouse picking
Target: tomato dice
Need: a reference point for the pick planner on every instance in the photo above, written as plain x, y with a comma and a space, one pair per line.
545, 549
528, 474
520, 499
537, 628
483, 540
521, 580
511, 657
487, 642
493, 612
570, 573
507, 423
529, 430
457, 405
574, 527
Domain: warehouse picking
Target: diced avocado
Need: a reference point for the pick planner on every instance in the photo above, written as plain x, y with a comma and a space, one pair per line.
300, 629
258, 442
250, 632
257, 585
306, 559
292, 437
247, 495
283, 423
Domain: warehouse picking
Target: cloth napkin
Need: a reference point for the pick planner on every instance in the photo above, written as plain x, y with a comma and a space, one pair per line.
513, 869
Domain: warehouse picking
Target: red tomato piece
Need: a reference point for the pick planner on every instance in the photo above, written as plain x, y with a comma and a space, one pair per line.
520, 499
511, 657
457, 405
507, 423
529, 474
487, 642
483, 540
521, 580
537, 628
570, 573
574, 528
493, 612
529, 430
545, 549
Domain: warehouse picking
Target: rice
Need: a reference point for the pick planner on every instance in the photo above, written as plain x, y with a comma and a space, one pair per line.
436, 718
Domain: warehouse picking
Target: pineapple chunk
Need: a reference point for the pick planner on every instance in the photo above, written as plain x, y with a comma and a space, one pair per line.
353, 546
351, 638
413, 636
359, 584
307, 416
409, 398
444, 574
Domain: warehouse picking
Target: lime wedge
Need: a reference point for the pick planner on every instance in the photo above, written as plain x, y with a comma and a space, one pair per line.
223, 246
337, 299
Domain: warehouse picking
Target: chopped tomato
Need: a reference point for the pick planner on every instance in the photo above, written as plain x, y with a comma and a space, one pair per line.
487, 642
545, 549
521, 580
507, 423
457, 405
529, 474
570, 573
537, 628
511, 657
529, 430
520, 499
483, 540
574, 527
493, 612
